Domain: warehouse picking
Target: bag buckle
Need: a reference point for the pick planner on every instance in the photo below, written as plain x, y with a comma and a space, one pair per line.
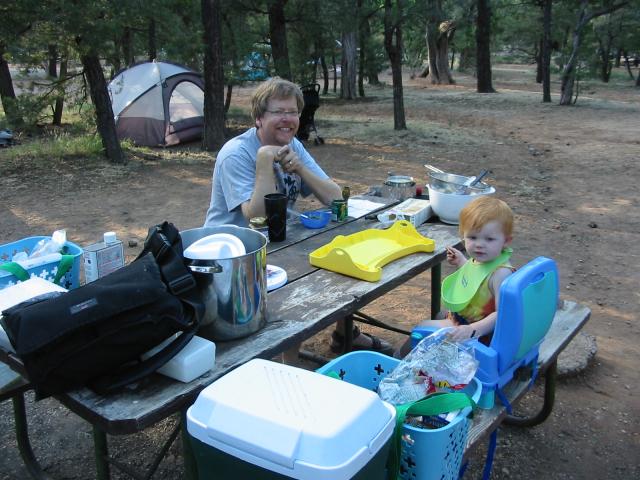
182, 284
162, 245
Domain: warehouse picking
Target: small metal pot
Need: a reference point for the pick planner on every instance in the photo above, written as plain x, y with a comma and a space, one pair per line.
399, 187
234, 290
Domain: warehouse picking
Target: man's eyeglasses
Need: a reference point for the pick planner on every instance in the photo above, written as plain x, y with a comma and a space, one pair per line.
283, 113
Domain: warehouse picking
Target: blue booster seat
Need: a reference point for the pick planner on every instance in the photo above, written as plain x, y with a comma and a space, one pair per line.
528, 300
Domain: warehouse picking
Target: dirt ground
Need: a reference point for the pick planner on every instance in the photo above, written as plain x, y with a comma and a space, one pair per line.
570, 174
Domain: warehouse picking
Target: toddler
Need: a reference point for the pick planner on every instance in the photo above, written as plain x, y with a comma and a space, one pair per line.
486, 225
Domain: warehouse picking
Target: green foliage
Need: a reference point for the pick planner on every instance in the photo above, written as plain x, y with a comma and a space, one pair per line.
57, 144
31, 108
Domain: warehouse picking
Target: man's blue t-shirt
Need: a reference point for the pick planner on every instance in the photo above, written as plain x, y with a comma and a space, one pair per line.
234, 177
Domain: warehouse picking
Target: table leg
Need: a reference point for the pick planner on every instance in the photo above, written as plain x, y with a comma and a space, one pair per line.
549, 399
22, 438
101, 452
436, 289
189, 459
348, 333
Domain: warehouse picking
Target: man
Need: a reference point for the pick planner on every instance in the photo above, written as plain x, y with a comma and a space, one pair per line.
268, 159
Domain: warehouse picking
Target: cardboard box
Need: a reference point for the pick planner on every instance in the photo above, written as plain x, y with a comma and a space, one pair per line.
101, 259
413, 210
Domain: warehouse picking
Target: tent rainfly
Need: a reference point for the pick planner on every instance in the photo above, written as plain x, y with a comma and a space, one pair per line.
158, 104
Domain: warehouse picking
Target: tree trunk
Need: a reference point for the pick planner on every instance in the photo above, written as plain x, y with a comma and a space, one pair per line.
362, 40
325, 75
335, 72
127, 46
213, 76
393, 46
627, 63
53, 60
546, 50
604, 50
569, 71
538, 56
278, 34
568, 77
102, 103
7, 93
151, 40
361, 72
483, 47
348, 66
370, 64
439, 34
227, 98
59, 105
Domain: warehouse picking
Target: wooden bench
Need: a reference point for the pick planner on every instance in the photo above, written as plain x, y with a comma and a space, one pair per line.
568, 321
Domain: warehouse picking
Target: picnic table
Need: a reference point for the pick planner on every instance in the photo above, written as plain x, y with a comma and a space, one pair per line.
312, 300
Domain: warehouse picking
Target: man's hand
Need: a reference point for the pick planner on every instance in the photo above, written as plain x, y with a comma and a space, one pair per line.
288, 160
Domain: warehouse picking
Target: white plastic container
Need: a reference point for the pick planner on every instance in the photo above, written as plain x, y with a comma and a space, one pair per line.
195, 359
266, 420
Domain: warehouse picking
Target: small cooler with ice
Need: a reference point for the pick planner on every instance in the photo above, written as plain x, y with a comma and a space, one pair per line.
266, 420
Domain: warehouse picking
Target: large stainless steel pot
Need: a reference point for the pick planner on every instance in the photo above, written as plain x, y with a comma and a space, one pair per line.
234, 289
399, 187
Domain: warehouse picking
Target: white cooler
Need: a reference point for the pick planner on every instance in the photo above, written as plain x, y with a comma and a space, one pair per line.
266, 420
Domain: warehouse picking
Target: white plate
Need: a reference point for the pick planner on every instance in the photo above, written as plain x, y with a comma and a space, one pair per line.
215, 247
276, 277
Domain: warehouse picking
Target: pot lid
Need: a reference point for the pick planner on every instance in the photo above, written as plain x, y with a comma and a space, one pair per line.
215, 247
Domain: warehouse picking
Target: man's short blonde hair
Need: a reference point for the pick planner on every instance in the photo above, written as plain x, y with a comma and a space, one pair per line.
277, 88
484, 209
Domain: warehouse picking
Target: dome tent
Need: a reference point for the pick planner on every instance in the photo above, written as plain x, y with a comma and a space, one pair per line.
158, 104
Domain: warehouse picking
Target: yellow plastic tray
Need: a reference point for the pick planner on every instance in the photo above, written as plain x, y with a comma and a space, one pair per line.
363, 254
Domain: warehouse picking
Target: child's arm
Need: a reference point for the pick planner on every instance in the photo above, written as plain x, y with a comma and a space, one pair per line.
488, 323
455, 257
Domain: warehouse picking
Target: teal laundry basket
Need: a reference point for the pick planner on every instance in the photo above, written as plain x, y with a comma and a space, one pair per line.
426, 454
69, 278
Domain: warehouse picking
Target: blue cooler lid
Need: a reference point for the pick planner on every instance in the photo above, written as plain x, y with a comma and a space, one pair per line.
292, 421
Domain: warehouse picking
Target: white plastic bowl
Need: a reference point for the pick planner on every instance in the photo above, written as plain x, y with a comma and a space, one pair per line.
447, 206
215, 247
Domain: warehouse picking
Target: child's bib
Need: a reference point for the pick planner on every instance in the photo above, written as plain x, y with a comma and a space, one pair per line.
459, 288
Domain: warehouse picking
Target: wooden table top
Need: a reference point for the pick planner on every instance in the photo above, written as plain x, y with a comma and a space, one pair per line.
312, 299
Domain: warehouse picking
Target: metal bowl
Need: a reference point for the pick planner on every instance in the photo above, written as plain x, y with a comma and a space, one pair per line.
452, 183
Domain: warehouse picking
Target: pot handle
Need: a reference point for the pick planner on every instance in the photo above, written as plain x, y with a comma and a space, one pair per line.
215, 268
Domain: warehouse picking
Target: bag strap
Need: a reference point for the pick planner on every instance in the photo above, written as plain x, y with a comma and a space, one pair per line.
111, 383
165, 243
434, 404
66, 262
16, 270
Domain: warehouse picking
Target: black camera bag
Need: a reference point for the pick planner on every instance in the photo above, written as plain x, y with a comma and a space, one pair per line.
94, 335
